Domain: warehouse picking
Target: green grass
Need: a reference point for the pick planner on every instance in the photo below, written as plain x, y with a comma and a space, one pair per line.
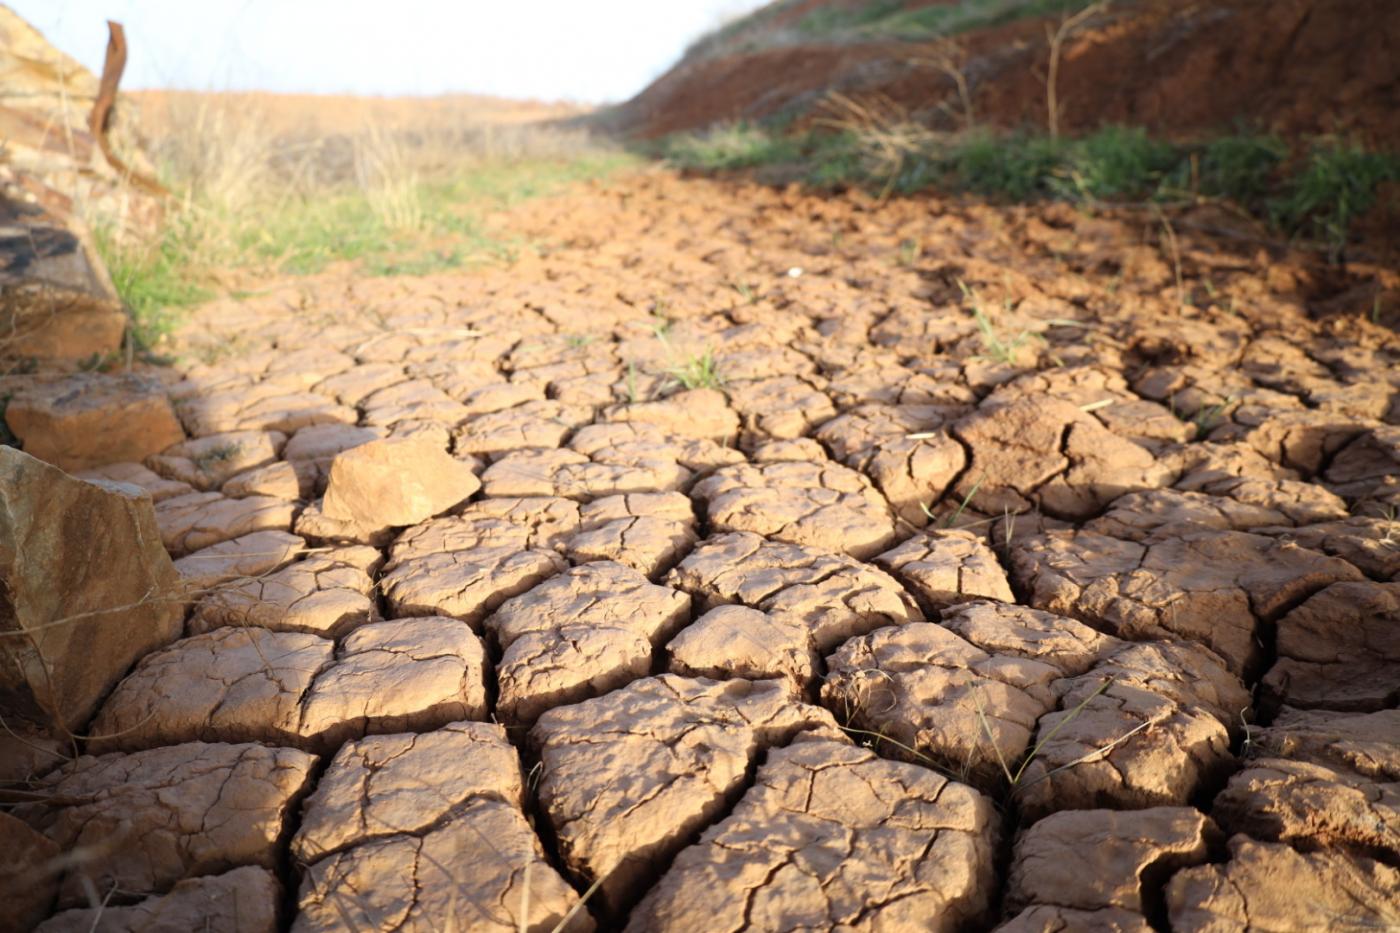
728, 147
700, 371
282, 233
889, 18
1314, 196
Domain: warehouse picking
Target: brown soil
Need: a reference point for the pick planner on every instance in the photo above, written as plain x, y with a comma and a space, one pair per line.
773, 653
1296, 67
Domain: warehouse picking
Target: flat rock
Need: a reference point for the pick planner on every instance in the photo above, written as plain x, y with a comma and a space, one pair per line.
30, 866
540, 423
945, 567
1047, 453
1150, 725
1090, 860
195, 521
327, 593
627, 778
589, 630
386, 785
701, 413
832, 837
91, 419
244, 900
85, 590
252, 684
252, 555
465, 566
915, 471
648, 532
1319, 779
1339, 650
150, 819
206, 462
832, 595
135, 474
396, 482
1268, 886
824, 505
939, 699
736, 641
281, 480
1215, 587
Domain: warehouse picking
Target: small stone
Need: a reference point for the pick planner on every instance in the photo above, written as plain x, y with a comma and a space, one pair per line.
91, 419
396, 482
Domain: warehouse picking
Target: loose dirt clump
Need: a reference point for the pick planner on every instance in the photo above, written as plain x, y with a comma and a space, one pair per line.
736, 586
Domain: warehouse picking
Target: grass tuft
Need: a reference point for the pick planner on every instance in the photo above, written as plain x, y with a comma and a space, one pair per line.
1316, 197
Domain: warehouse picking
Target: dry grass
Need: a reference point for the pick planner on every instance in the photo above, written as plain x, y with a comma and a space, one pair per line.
253, 198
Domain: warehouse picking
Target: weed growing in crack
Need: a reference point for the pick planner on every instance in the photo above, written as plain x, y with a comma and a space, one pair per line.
633, 395
956, 514
698, 371
1014, 776
1210, 417
998, 348
215, 455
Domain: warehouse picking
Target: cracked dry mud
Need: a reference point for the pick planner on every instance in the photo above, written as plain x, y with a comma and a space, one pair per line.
884, 631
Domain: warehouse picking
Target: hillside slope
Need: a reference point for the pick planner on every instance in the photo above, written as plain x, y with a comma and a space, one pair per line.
1295, 67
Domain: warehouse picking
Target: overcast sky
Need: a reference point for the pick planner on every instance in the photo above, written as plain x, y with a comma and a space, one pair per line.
583, 50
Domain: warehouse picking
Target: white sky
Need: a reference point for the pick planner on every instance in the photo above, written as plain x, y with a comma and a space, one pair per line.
581, 50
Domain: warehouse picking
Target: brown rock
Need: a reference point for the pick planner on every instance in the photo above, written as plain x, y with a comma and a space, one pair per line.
947, 566
149, 819
1048, 453
30, 866
252, 555
72, 632
251, 684
1329, 779
396, 482
465, 566
1148, 726
942, 701
328, 593
88, 420
824, 505
281, 480
735, 641
1215, 587
134, 474
1090, 860
195, 521
628, 777
832, 837
1339, 650
1272, 887
648, 532
389, 784
244, 900
206, 462
702, 413
833, 596
582, 633
316, 446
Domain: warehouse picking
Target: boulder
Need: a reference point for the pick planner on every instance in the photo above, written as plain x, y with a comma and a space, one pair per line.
57, 304
85, 590
30, 866
396, 482
91, 419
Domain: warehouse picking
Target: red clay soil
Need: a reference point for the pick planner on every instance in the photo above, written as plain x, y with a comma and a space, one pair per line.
1296, 67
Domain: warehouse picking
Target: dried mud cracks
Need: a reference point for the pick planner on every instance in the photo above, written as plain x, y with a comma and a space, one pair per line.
1094, 625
